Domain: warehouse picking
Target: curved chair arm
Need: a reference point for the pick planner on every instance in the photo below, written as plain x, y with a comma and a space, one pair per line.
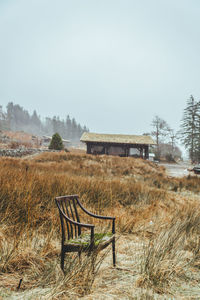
98, 216
94, 215
74, 222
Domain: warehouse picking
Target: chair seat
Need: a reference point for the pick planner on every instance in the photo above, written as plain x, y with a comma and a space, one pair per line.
83, 241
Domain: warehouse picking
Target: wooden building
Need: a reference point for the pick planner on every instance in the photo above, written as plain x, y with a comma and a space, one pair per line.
117, 144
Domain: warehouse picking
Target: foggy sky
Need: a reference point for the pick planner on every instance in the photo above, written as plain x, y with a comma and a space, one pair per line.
111, 64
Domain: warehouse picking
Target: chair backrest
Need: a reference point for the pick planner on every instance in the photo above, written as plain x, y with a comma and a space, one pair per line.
68, 210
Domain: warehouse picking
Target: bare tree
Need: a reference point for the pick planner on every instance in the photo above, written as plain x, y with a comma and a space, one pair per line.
173, 138
160, 130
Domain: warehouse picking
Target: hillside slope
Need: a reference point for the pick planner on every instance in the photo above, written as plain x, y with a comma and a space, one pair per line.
157, 223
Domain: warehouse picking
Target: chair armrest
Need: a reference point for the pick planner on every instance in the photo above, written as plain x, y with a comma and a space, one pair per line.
77, 223
94, 215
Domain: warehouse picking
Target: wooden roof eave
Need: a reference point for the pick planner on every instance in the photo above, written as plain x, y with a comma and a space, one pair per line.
116, 144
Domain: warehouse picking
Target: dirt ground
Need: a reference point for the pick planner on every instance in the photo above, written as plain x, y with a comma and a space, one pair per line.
120, 282
179, 169
123, 282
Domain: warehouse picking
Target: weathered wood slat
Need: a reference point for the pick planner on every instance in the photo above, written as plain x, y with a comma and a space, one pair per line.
70, 221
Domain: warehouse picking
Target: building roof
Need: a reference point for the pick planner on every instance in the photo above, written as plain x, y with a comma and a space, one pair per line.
117, 138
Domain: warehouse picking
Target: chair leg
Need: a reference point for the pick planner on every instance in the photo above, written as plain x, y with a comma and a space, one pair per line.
62, 259
79, 255
113, 252
93, 259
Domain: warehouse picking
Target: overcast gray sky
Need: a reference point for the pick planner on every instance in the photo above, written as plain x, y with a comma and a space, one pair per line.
111, 64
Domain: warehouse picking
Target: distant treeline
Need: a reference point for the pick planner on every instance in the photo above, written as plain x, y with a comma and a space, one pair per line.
16, 118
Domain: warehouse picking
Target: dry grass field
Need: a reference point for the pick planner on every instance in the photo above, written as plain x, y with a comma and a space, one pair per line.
157, 222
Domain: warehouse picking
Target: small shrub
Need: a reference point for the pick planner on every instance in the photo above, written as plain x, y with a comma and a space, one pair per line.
56, 142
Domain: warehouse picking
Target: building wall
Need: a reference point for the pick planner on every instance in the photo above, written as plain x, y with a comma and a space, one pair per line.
121, 150
116, 150
110, 150
96, 149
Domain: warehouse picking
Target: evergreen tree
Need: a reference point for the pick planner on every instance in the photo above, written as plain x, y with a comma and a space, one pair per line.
56, 142
197, 135
190, 131
35, 119
3, 122
48, 126
10, 115
17, 118
68, 127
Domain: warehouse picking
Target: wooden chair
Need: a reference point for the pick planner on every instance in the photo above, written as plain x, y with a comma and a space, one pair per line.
73, 238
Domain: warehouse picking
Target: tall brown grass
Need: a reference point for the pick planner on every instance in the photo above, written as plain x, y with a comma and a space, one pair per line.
133, 190
173, 252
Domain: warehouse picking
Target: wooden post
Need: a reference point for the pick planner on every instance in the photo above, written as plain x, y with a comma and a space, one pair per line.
141, 152
147, 152
106, 149
88, 148
126, 151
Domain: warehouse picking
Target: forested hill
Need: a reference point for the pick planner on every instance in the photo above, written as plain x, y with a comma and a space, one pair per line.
16, 118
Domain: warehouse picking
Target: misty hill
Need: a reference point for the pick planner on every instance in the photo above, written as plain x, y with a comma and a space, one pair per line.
16, 118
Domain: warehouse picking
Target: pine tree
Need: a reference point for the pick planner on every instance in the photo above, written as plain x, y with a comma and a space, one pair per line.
190, 131
68, 125
56, 142
17, 118
197, 135
3, 122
